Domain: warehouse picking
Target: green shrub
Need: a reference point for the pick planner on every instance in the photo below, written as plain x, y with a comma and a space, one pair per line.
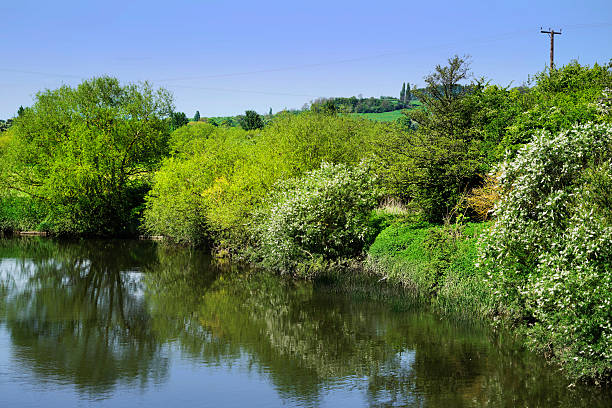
218, 177
320, 217
20, 213
549, 255
187, 187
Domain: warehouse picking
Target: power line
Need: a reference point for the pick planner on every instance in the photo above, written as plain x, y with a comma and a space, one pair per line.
481, 40
243, 91
302, 66
19, 71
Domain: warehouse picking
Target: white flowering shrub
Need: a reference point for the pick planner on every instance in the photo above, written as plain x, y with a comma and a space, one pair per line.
320, 217
548, 257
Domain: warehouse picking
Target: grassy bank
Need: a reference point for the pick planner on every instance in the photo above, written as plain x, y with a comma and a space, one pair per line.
437, 263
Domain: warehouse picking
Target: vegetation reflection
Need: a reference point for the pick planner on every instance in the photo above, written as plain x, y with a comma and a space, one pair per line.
105, 313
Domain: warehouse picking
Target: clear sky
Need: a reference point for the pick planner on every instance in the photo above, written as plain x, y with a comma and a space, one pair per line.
223, 57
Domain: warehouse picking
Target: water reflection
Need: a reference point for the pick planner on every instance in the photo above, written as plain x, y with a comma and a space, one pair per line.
74, 314
104, 314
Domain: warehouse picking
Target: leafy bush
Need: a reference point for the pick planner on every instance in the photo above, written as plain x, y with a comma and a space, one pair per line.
559, 100
322, 216
20, 213
549, 255
188, 184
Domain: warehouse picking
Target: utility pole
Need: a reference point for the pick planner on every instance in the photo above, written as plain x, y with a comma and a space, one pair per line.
552, 33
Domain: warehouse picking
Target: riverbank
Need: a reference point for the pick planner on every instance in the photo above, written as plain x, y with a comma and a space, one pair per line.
442, 267
437, 263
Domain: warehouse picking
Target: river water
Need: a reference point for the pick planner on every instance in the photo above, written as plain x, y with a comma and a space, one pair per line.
121, 323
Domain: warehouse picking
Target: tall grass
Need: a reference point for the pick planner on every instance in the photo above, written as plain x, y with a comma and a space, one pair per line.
435, 263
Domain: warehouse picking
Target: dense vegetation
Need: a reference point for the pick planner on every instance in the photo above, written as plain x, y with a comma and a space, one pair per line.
79, 159
303, 193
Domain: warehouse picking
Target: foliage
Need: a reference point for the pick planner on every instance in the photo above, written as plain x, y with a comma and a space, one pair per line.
83, 153
178, 119
251, 120
182, 137
187, 184
559, 100
196, 116
355, 104
321, 216
213, 186
5, 124
482, 199
435, 262
435, 163
20, 213
548, 257
327, 107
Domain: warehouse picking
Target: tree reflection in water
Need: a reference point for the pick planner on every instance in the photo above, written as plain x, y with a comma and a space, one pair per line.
76, 313
102, 313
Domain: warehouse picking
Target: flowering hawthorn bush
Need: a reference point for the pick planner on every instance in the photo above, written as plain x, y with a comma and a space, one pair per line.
320, 217
548, 258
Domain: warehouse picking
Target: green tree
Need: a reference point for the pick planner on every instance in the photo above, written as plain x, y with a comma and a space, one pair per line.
326, 107
432, 165
407, 94
403, 93
178, 119
251, 120
20, 111
85, 153
196, 117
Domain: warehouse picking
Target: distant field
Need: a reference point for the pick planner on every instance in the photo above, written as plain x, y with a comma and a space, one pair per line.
386, 116
381, 117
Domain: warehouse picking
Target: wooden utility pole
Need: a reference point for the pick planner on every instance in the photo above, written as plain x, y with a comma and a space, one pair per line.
552, 33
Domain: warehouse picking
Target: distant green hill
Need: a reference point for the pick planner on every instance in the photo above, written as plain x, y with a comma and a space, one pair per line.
381, 117
386, 116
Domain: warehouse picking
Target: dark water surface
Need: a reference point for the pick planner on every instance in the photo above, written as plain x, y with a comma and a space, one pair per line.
130, 324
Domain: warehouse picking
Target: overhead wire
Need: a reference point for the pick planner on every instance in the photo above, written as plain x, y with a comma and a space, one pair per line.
480, 40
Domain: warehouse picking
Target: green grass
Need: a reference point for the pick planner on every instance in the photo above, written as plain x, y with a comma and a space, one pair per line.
386, 116
380, 117
435, 262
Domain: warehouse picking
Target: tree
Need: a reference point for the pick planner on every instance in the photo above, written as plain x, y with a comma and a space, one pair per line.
407, 94
196, 117
177, 120
326, 107
85, 153
442, 95
434, 164
403, 93
20, 111
251, 120
270, 112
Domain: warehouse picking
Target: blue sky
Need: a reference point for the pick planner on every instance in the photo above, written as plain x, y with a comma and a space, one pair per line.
223, 57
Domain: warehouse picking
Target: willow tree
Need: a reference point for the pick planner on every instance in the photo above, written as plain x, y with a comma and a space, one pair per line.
84, 153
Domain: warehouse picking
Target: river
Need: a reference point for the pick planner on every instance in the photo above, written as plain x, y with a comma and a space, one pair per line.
126, 323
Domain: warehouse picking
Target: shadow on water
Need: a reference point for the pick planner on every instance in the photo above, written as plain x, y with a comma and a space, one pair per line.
102, 314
